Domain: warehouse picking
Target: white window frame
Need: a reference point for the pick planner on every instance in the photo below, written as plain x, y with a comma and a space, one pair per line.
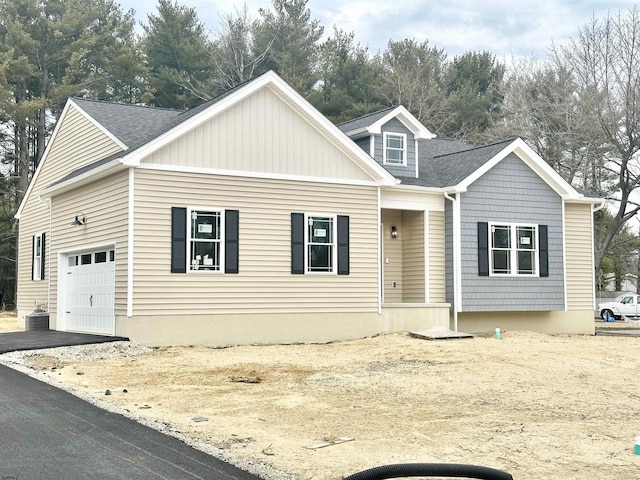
220, 241
513, 249
36, 261
386, 148
333, 243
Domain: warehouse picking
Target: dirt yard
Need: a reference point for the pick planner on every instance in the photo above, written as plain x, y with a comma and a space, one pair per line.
536, 406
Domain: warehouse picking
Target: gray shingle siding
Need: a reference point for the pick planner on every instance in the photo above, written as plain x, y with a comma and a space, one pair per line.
511, 192
364, 143
394, 125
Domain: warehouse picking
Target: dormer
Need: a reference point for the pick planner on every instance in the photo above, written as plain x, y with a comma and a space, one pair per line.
391, 137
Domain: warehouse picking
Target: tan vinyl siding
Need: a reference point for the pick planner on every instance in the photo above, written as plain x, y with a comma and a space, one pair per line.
436, 257
413, 257
106, 224
77, 143
265, 283
392, 254
259, 134
579, 256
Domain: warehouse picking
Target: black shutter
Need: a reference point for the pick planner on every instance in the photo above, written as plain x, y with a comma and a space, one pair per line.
297, 243
483, 249
42, 256
231, 237
343, 245
33, 255
178, 240
544, 250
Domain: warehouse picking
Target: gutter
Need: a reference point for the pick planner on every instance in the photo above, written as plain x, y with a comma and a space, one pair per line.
84, 178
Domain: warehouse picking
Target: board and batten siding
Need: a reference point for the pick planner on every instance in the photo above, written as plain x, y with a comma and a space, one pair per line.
259, 134
512, 193
436, 257
264, 283
413, 271
579, 256
105, 206
78, 143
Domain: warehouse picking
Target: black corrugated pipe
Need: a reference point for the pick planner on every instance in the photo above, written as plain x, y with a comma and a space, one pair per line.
450, 470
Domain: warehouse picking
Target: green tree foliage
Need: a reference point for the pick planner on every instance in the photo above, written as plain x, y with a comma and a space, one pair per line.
177, 51
290, 37
412, 76
350, 81
473, 83
50, 50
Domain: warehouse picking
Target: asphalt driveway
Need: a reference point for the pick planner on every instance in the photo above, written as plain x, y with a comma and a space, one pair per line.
39, 339
47, 433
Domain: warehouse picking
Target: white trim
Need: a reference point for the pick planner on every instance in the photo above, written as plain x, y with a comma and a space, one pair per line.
334, 242
529, 157
427, 298
385, 147
51, 142
99, 126
220, 241
130, 242
288, 94
36, 274
457, 264
63, 266
84, 178
417, 159
248, 174
564, 257
513, 249
372, 145
380, 266
405, 117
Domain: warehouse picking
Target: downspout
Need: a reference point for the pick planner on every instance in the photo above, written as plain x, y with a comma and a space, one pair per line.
456, 246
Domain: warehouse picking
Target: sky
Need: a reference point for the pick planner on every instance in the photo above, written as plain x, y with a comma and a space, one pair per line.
507, 28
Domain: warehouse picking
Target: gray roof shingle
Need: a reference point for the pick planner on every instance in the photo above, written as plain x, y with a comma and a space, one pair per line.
364, 121
131, 124
442, 162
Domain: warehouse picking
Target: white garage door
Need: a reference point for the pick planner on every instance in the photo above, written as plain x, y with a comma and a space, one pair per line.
89, 292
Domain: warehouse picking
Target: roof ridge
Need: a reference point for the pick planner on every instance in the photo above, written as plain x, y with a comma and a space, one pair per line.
120, 104
473, 147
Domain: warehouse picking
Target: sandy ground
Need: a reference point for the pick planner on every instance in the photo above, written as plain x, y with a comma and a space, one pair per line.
536, 406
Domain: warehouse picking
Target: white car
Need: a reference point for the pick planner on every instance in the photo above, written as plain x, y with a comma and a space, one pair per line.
626, 305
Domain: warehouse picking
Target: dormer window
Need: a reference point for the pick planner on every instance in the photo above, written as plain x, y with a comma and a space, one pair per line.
395, 149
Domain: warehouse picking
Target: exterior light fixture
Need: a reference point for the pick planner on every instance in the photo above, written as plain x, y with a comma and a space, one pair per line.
394, 232
80, 219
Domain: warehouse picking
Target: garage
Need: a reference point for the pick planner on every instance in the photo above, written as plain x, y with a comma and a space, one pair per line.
89, 291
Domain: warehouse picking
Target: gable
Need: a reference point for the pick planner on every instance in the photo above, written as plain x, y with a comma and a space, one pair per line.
75, 143
260, 134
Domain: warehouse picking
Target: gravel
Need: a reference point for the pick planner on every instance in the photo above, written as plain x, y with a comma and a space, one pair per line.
24, 361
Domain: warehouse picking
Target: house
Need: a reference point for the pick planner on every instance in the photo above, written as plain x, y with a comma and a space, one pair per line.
253, 219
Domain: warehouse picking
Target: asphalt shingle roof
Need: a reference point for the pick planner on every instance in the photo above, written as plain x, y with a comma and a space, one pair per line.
442, 162
364, 121
131, 124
